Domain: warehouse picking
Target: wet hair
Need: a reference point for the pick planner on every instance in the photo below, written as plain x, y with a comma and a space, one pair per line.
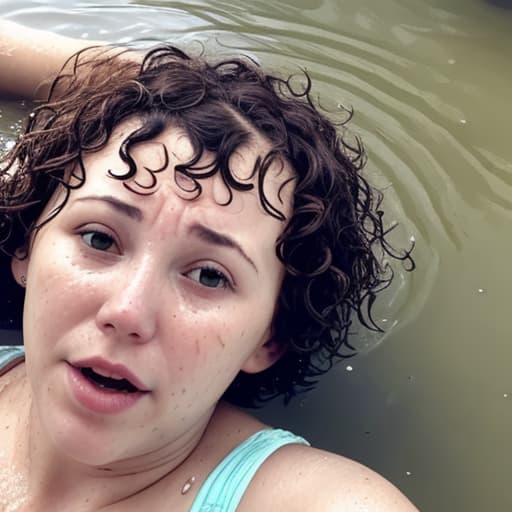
332, 244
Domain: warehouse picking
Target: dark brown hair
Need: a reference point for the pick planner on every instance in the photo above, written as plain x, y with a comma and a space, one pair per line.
331, 246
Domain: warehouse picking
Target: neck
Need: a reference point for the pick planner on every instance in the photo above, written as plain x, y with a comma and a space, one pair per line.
57, 482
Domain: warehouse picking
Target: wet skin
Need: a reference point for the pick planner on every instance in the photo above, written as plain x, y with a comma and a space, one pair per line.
179, 293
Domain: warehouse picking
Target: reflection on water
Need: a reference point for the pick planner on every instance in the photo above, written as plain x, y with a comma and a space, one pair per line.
429, 404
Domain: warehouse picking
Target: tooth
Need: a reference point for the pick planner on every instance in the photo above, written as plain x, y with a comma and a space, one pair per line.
107, 374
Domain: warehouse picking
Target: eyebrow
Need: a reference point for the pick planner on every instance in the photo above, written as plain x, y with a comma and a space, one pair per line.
202, 232
214, 237
126, 209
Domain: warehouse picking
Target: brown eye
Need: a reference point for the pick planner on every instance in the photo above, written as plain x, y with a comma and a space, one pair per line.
98, 240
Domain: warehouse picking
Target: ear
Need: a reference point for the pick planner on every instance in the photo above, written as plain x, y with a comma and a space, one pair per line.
264, 356
19, 269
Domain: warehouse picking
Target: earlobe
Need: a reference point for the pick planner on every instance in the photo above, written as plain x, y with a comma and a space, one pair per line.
264, 356
19, 269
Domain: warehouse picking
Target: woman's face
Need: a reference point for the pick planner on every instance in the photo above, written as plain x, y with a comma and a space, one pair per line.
173, 296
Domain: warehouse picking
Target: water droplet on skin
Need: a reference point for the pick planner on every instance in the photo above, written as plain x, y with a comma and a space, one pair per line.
188, 485
13, 489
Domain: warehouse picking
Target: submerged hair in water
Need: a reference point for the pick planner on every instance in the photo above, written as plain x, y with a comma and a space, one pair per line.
331, 245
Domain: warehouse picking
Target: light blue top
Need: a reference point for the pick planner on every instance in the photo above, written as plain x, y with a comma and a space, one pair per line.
226, 484
10, 356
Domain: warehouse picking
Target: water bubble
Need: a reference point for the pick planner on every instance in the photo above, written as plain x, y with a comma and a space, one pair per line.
463, 121
451, 61
481, 290
349, 368
408, 473
505, 395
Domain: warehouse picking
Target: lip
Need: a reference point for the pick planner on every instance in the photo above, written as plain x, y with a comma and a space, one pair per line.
98, 400
111, 369
102, 400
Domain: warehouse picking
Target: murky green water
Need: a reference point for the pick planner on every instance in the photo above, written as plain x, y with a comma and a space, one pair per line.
430, 405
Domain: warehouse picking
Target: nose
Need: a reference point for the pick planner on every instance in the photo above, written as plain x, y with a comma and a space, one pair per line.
130, 310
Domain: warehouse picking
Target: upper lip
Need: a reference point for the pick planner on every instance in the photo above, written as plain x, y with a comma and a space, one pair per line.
119, 370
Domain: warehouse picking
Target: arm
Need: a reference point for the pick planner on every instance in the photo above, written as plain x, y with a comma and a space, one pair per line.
30, 59
347, 486
298, 478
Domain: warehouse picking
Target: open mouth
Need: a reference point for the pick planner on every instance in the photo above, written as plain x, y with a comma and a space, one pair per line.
108, 383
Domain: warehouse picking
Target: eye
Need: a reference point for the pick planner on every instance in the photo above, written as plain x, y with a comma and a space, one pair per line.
97, 240
209, 277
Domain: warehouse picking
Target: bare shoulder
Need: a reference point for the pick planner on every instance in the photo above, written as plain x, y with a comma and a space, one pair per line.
298, 478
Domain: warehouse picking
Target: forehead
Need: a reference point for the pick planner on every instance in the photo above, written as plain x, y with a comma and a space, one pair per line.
158, 160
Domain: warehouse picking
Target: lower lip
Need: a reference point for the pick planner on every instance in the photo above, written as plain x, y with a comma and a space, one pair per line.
99, 400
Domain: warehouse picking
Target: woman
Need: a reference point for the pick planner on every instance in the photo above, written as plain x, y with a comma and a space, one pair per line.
187, 236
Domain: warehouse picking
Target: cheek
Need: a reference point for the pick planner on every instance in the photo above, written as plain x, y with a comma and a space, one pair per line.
55, 295
221, 341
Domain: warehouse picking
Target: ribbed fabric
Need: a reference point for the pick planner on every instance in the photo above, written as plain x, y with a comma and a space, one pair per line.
226, 484
10, 356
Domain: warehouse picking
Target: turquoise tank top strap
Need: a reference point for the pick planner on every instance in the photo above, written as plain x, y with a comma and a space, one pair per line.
226, 484
10, 356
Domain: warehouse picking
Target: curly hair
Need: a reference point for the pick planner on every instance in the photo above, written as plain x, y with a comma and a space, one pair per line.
332, 245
